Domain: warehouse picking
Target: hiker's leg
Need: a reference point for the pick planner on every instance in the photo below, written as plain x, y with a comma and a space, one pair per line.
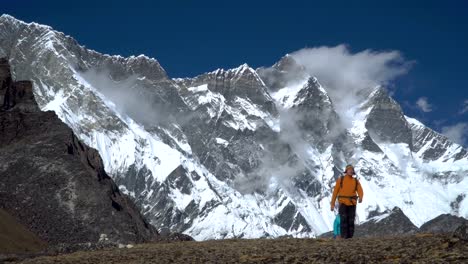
344, 220
347, 222
351, 217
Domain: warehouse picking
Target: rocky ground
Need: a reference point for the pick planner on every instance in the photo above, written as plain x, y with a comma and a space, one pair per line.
419, 248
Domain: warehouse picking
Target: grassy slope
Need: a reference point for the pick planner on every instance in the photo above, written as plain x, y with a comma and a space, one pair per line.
415, 249
15, 238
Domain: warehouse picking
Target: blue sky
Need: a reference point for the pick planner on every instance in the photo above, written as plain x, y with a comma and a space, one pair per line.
192, 37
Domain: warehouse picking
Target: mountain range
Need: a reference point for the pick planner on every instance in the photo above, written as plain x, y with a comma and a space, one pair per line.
241, 152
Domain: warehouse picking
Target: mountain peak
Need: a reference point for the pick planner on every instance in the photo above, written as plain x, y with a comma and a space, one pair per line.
143, 57
283, 73
386, 119
243, 66
286, 63
240, 70
145, 61
6, 18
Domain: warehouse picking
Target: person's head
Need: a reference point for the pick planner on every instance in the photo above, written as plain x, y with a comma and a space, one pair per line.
349, 170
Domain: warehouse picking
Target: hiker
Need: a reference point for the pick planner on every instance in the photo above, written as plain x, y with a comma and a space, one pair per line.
336, 224
346, 188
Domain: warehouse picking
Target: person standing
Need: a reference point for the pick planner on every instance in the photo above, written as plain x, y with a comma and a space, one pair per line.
349, 192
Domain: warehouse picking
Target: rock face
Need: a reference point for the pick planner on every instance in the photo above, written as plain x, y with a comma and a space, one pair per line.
387, 121
461, 232
445, 223
390, 223
316, 115
237, 152
431, 145
54, 184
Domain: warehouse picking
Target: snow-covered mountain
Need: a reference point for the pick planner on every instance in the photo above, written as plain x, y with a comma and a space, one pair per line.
240, 152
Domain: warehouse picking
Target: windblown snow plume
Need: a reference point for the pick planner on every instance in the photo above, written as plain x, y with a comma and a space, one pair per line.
345, 75
129, 95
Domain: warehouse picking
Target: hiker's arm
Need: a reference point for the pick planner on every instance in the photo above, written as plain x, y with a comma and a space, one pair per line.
360, 192
335, 193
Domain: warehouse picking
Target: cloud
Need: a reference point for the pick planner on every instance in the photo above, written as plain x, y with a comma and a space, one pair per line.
130, 96
345, 75
284, 164
458, 133
464, 107
423, 104
339, 69
439, 122
269, 175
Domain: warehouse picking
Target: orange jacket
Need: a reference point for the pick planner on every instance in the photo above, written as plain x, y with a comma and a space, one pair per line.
349, 185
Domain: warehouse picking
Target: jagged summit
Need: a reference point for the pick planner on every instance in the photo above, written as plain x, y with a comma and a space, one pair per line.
240, 82
56, 42
284, 73
431, 145
386, 119
242, 71
11, 19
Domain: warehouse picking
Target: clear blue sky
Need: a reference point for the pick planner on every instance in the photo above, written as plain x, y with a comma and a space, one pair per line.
192, 37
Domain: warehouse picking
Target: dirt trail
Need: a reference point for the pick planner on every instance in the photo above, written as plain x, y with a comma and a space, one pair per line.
422, 248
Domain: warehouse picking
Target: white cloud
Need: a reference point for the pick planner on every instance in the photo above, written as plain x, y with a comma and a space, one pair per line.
129, 95
340, 69
423, 104
344, 74
458, 133
464, 107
